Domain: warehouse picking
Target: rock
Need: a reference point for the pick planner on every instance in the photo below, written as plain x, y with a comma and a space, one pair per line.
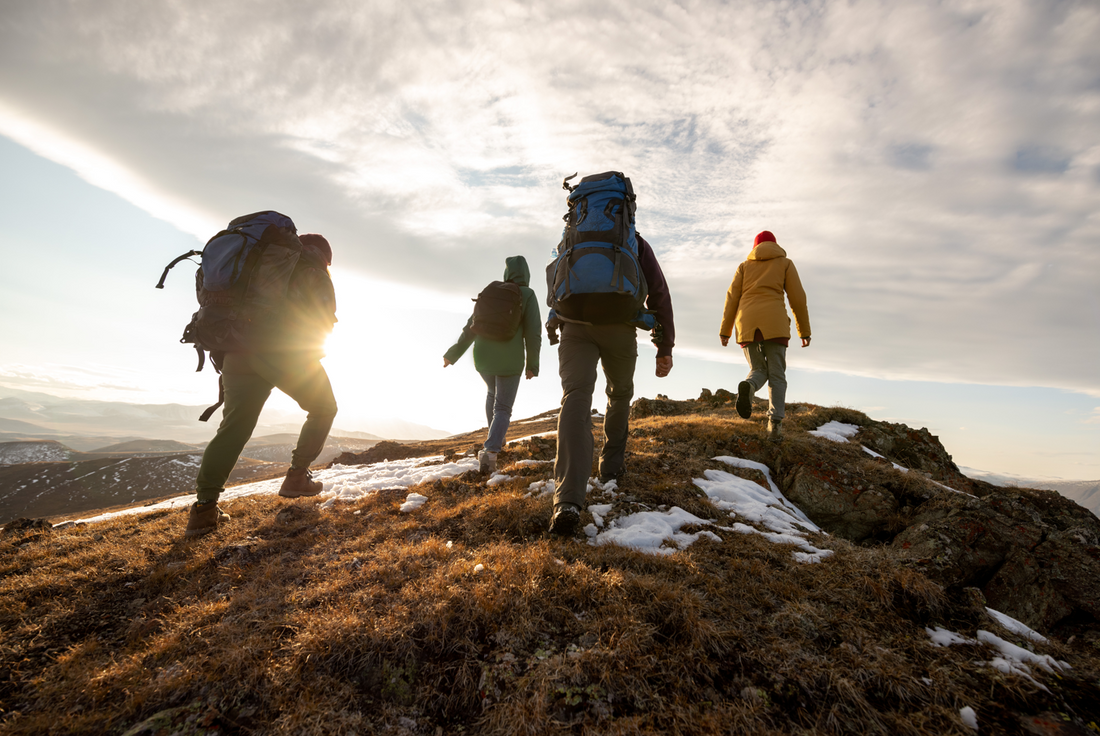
1035, 555
659, 407
382, 451
849, 508
915, 449
719, 397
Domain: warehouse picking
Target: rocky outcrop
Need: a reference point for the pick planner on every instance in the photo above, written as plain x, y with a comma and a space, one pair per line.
378, 453
1034, 554
915, 449
841, 503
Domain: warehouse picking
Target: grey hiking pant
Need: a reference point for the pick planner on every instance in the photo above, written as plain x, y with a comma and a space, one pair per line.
248, 379
581, 348
768, 364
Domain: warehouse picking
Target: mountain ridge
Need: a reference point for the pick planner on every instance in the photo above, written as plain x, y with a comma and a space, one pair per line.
35, 415
442, 606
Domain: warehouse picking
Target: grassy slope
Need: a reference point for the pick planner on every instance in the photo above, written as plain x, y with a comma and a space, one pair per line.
365, 619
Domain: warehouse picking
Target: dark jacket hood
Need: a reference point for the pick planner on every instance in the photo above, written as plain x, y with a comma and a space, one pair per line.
517, 271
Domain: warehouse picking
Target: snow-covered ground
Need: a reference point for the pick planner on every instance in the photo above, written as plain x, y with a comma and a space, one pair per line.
17, 453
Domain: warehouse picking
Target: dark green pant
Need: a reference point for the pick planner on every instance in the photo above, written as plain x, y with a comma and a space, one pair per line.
581, 348
248, 379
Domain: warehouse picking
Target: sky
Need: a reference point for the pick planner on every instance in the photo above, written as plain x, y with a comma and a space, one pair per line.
933, 170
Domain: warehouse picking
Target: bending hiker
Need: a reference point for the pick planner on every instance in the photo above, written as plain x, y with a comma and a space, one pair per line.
505, 330
755, 308
285, 355
602, 276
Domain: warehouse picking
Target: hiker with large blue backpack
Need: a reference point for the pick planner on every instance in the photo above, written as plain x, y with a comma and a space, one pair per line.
603, 283
266, 305
506, 332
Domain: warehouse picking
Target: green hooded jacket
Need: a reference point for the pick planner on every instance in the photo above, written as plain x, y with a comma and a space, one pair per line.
507, 358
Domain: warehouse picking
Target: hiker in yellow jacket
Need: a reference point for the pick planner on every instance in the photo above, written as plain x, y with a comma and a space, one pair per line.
755, 310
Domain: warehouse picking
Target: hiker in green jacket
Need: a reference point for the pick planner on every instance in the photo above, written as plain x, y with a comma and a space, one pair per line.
501, 363
291, 362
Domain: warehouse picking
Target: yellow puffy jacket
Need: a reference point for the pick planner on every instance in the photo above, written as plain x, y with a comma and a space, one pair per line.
755, 298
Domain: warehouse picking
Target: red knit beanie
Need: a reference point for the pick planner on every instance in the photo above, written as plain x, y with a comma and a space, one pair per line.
318, 241
765, 236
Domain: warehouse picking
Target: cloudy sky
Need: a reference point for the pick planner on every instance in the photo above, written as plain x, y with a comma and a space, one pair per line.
933, 169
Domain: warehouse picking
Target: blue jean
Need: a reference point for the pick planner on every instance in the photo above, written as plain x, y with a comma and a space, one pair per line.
498, 407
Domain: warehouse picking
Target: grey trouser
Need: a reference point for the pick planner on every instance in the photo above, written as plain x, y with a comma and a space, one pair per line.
768, 364
248, 379
581, 347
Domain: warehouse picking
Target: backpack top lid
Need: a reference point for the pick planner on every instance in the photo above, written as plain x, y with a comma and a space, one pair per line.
224, 256
613, 181
600, 203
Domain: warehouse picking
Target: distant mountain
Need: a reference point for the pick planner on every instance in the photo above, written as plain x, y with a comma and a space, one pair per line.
278, 448
28, 415
82, 482
148, 446
44, 478
1084, 492
43, 414
14, 426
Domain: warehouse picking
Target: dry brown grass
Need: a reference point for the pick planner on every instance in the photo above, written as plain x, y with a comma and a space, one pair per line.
364, 619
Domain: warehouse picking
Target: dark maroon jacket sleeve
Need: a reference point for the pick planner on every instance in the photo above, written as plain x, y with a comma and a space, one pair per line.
659, 300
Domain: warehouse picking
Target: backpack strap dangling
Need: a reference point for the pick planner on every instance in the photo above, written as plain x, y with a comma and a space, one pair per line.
221, 400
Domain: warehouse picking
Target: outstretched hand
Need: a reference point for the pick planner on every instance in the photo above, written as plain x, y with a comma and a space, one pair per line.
446, 362
664, 365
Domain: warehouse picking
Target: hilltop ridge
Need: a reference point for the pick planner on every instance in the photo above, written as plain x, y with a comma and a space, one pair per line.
441, 606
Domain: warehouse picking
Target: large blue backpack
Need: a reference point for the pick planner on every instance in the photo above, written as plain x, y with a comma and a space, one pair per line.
595, 275
241, 286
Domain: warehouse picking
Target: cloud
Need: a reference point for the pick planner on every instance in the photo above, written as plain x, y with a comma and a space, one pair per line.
931, 168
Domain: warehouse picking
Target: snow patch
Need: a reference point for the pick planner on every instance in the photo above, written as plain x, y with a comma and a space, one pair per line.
836, 431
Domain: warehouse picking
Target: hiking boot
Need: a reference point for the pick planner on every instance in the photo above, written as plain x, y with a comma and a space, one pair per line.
204, 518
775, 429
744, 399
617, 477
299, 482
566, 518
486, 462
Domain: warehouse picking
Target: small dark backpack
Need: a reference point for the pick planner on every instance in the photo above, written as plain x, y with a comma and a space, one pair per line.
241, 286
498, 311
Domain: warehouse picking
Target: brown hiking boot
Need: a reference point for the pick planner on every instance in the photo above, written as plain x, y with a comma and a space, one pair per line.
204, 519
775, 429
486, 462
565, 520
299, 482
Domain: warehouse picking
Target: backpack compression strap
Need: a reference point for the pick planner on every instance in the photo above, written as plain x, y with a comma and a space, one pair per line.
170, 266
